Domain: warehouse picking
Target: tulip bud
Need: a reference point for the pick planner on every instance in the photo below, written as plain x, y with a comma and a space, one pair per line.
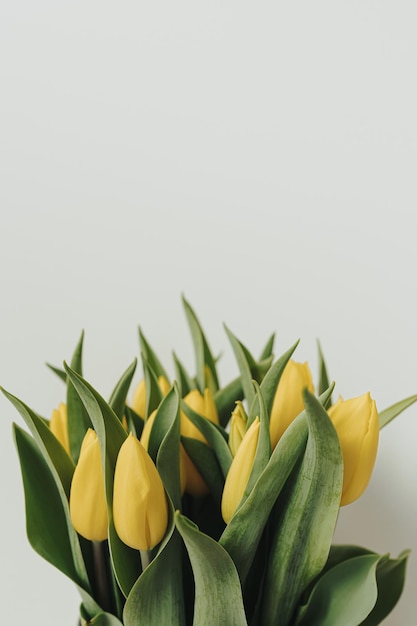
139, 395
357, 425
239, 472
144, 439
88, 506
206, 407
288, 400
237, 427
140, 508
59, 426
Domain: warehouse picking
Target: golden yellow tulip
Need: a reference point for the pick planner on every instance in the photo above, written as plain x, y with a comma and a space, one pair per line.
239, 472
140, 508
357, 425
59, 426
237, 427
288, 400
88, 506
139, 395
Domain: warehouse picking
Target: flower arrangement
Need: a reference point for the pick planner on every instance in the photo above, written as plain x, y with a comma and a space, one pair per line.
200, 504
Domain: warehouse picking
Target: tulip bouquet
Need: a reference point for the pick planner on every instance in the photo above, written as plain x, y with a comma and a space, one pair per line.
200, 504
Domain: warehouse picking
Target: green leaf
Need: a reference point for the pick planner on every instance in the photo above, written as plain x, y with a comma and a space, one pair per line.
48, 524
306, 519
226, 398
207, 464
78, 420
62, 375
263, 449
390, 578
134, 421
246, 364
111, 435
267, 351
54, 453
203, 355
387, 415
157, 597
345, 595
153, 391
104, 619
324, 382
164, 444
218, 595
214, 437
184, 380
270, 382
151, 357
118, 397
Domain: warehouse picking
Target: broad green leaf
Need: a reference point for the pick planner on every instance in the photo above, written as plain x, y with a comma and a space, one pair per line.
203, 354
111, 435
55, 455
207, 464
62, 375
157, 597
78, 420
134, 422
324, 382
184, 380
270, 382
218, 595
151, 357
306, 519
164, 444
104, 619
345, 595
118, 397
226, 398
387, 415
214, 437
390, 578
48, 522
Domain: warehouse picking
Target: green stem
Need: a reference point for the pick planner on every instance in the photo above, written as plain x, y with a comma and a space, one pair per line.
145, 557
101, 578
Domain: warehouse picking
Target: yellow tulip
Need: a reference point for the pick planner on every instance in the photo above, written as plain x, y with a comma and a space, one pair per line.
140, 508
288, 400
139, 395
59, 426
88, 506
357, 425
239, 472
206, 407
237, 427
144, 439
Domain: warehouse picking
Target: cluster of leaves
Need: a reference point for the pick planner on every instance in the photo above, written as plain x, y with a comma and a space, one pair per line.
274, 563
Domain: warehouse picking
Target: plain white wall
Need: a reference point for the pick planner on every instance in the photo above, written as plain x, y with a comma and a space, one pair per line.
259, 157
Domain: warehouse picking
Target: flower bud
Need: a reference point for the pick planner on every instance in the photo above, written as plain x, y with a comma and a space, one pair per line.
288, 400
59, 426
239, 472
237, 427
357, 425
140, 508
88, 506
139, 395
206, 407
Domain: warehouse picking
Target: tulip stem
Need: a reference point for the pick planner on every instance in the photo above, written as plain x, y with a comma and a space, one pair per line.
145, 557
100, 571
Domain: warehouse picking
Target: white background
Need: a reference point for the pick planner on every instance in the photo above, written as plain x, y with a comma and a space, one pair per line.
259, 157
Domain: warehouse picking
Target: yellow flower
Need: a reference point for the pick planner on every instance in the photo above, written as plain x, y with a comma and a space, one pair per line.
239, 472
144, 439
288, 400
206, 407
88, 506
237, 427
357, 425
139, 395
140, 508
59, 426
